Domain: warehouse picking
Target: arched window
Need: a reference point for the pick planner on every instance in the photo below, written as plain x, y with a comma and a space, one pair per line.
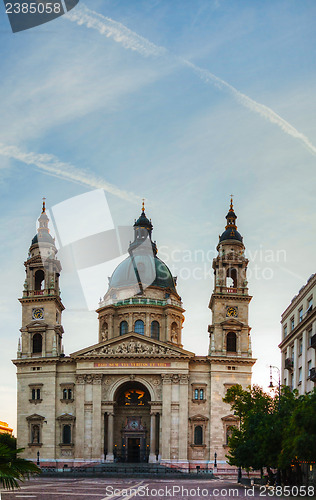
37, 343
39, 278
139, 327
155, 329
66, 434
123, 327
229, 432
231, 277
198, 435
231, 342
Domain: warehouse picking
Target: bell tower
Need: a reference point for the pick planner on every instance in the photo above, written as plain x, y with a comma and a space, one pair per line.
41, 331
230, 332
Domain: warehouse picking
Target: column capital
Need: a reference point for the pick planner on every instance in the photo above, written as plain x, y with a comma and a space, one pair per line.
97, 378
80, 378
166, 378
184, 379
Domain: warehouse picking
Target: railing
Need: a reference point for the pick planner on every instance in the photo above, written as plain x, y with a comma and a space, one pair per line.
288, 365
312, 374
231, 290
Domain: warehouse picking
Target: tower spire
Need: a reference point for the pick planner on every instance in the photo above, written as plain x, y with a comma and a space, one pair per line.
143, 206
44, 207
231, 209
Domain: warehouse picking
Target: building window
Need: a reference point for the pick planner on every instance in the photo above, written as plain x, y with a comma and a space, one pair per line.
198, 435
37, 343
300, 375
123, 327
300, 315
67, 393
300, 346
292, 323
231, 278
196, 394
139, 327
155, 329
39, 279
231, 342
310, 334
310, 304
36, 394
285, 330
309, 367
201, 394
66, 434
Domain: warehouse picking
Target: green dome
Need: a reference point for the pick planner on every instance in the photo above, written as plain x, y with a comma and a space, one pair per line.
152, 271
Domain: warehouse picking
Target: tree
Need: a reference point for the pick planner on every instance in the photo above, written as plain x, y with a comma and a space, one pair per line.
13, 468
276, 431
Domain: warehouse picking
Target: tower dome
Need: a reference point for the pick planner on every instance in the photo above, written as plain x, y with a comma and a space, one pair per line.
231, 232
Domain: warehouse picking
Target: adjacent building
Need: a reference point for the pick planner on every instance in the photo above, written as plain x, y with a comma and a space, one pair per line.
136, 394
5, 429
299, 340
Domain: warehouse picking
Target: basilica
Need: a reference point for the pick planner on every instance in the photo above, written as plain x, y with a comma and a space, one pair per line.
136, 395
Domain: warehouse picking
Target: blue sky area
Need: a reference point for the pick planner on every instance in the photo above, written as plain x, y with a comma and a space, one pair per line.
179, 102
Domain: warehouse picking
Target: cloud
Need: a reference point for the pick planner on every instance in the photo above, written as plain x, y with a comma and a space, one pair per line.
51, 165
130, 40
117, 31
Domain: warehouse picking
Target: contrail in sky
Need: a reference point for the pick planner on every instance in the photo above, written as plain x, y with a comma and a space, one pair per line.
51, 165
130, 40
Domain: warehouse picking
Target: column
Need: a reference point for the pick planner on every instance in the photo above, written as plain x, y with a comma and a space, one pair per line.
152, 453
79, 398
96, 417
110, 456
130, 322
110, 326
183, 418
147, 326
166, 417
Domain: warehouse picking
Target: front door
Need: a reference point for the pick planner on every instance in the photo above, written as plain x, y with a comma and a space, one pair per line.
133, 449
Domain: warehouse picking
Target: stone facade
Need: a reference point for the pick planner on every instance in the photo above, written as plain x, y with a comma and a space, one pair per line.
298, 343
136, 395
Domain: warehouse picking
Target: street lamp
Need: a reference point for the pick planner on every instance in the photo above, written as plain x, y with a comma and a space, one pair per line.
38, 458
215, 463
278, 479
279, 381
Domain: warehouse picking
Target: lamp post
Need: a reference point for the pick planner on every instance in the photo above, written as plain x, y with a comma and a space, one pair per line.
215, 463
38, 458
279, 381
278, 478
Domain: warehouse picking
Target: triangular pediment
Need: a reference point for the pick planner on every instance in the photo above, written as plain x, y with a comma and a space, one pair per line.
35, 416
37, 324
132, 345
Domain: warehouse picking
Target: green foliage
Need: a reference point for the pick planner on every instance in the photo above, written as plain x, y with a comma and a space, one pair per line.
13, 468
275, 430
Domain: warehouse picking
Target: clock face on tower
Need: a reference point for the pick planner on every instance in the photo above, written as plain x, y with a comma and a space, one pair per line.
38, 313
231, 312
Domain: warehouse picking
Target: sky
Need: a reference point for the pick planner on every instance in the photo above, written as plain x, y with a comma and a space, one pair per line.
181, 103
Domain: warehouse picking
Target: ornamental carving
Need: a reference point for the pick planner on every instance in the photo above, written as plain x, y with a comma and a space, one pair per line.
133, 347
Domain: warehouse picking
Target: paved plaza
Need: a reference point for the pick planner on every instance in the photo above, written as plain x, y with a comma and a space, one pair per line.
119, 489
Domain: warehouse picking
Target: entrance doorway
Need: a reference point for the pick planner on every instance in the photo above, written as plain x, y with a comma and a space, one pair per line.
132, 423
133, 449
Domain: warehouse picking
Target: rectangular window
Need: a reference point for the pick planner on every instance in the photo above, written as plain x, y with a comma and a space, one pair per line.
300, 346
196, 394
36, 394
309, 367
300, 315
310, 303
292, 323
310, 334
300, 375
285, 330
